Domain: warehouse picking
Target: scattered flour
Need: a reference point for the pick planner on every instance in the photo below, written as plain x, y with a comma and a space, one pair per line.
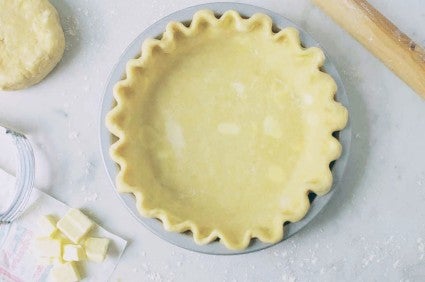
91, 198
421, 248
288, 277
396, 263
73, 135
420, 180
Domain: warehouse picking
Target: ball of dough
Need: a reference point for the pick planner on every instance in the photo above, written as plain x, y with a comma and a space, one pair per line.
31, 42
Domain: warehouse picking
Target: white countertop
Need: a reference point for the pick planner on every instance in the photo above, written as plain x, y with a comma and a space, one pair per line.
374, 227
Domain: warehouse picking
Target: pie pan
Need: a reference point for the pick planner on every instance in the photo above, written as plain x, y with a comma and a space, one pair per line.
181, 239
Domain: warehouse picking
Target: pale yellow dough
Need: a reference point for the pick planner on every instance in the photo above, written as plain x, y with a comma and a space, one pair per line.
31, 42
224, 127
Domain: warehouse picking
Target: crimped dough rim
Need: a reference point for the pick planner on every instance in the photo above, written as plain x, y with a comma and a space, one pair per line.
337, 120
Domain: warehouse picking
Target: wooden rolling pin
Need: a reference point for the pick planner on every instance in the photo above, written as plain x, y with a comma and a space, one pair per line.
394, 48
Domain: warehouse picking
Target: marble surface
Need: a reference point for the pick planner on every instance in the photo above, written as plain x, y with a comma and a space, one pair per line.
374, 228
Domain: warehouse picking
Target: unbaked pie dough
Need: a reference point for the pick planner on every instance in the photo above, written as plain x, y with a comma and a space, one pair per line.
224, 127
31, 42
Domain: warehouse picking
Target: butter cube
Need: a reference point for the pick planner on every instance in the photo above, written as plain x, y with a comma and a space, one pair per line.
66, 272
59, 236
47, 225
73, 252
75, 225
48, 247
96, 248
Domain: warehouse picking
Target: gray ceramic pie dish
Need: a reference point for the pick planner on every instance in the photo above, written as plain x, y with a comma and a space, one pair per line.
133, 50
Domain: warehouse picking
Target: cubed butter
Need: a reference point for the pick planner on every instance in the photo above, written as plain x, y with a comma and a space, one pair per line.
96, 248
59, 236
75, 225
48, 247
47, 225
66, 272
73, 252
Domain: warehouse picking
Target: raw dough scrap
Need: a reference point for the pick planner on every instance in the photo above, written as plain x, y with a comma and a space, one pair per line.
31, 42
224, 127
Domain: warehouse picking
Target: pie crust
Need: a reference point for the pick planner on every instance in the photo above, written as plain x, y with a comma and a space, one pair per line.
224, 127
